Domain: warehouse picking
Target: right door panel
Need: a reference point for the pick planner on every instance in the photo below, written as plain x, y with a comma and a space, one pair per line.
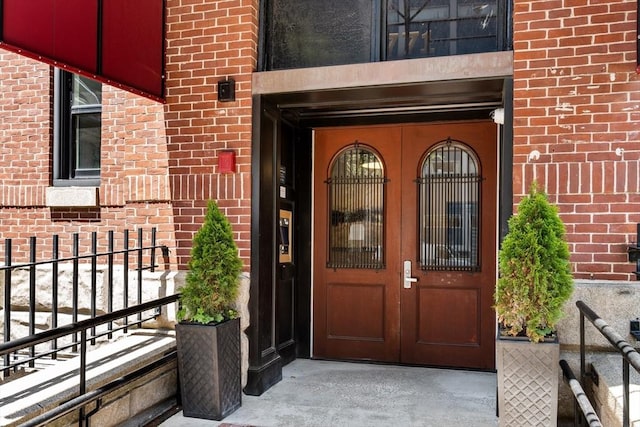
448, 234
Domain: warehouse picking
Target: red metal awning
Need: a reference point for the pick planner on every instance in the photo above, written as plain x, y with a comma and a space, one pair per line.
119, 42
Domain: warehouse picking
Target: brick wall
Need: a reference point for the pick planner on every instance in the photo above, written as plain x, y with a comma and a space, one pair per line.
577, 123
206, 42
134, 184
159, 161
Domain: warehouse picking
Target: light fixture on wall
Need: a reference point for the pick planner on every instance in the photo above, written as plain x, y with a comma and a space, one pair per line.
227, 90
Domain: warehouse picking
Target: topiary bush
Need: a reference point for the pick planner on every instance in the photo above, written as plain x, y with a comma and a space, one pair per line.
535, 276
212, 281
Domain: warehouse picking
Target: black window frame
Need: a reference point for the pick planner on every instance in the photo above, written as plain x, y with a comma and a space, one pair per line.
65, 171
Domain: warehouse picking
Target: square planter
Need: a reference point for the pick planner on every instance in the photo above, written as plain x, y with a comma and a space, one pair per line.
527, 382
209, 369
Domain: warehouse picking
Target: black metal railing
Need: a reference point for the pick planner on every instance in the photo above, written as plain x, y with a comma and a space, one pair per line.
84, 397
630, 357
13, 360
581, 400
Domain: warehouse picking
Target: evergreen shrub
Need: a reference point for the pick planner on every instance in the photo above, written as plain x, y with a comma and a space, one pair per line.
212, 281
535, 276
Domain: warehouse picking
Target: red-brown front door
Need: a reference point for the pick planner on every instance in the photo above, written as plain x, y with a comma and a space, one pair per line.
416, 201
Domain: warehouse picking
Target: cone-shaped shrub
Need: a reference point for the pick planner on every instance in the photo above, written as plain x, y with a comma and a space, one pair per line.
535, 276
214, 272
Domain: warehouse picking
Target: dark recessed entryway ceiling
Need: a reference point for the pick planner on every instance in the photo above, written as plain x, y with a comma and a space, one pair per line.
388, 101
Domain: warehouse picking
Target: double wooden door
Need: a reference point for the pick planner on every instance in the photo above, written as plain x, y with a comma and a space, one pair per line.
405, 244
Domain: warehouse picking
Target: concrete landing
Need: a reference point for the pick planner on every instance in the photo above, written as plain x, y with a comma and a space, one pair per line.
322, 393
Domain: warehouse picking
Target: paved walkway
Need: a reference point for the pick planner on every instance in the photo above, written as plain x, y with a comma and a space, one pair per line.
326, 394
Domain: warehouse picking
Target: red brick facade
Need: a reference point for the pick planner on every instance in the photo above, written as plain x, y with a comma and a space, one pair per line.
158, 165
577, 105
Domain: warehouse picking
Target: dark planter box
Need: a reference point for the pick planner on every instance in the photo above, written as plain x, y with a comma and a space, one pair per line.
209, 369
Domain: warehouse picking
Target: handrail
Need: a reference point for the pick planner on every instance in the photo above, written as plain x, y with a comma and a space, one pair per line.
580, 396
97, 394
629, 354
48, 335
85, 397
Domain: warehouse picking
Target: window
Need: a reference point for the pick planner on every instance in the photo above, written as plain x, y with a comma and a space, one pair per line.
449, 222
313, 33
356, 206
77, 127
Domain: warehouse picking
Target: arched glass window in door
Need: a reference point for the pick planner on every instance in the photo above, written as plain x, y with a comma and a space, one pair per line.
356, 209
449, 208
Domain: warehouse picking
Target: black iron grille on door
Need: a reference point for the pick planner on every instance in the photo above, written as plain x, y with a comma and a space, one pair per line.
356, 209
449, 208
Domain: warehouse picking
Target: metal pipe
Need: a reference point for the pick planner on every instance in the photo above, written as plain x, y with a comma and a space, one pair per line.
110, 278
581, 398
125, 279
629, 354
7, 300
54, 291
32, 294
74, 304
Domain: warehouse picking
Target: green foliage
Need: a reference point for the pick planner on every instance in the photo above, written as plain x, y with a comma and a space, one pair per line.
535, 276
214, 269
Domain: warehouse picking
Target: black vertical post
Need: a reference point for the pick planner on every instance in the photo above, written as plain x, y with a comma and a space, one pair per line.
74, 304
110, 279
626, 418
125, 267
32, 294
83, 373
7, 299
94, 267
153, 249
54, 291
139, 271
582, 349
638, 232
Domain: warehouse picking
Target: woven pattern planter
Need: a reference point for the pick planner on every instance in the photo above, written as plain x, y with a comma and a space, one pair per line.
209, 369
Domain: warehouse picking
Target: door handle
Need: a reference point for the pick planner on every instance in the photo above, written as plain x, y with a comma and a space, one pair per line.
408, 280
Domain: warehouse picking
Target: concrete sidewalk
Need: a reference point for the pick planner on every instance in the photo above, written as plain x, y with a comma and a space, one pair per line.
322, 393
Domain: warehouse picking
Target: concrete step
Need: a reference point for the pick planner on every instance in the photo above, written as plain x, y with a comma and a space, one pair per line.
606, 393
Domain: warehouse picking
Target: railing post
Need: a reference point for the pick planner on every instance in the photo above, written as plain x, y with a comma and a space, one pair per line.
140, 246
54, 291
125, 279
32, 295
110, 281
153, 250
7, 300
83, 373
582, 349
94, 266
74, 279
626, 418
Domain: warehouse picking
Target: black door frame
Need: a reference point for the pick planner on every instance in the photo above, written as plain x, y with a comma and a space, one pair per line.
265, 358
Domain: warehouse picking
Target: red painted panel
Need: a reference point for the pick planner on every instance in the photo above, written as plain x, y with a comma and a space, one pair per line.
76, 33
64, 33
133, 40
29, 25
61, 30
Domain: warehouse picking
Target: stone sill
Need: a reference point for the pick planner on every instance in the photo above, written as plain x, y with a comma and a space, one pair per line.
75, 197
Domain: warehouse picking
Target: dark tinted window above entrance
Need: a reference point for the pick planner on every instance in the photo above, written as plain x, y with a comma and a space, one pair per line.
312, 33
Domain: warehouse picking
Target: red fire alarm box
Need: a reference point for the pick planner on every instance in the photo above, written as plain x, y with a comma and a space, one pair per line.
227, 162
